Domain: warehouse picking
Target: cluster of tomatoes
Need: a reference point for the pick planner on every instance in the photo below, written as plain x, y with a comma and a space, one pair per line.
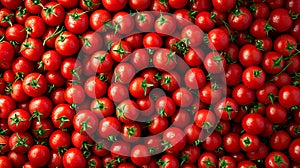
149, 83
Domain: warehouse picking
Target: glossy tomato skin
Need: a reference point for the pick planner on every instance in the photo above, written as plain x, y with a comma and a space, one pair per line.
253, 77
240, 19
53, 13
62, 116
67, 44
35, 84
114, 5
253, 123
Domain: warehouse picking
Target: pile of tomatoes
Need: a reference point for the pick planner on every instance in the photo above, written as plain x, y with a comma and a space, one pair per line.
149, 83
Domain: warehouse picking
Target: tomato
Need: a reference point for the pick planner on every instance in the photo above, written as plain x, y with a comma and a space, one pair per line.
214, 62
253, 77
280, 19
94, 87
212, 142
231, 142
165, 25
98, 18
280, 140
35, 84
120, 149
6, 17
7, 105
210, 93
120, 51
90, 5
226, 108
15, 33
32, 49
285, 44
5, 162
62, 116
288, 95
73, 157
174, 139
207, 159
76, 21
222, 5
168, 161
243, 95
276, 159
59, 141
190, 34
276, 113
205, 119
114, 5
39, 155
109, 126
293, 152
253, 123
182, 97
226, 161
240, 18
35, 26
140, 59
140, 155
53, 13
18, 120
20, 142
218, 39
67, 44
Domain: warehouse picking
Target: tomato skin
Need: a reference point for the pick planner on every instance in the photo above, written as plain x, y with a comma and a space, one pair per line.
205, 119
32, 49
94, 87
164, 59
16, 33
73, 157
218, 39
5, 162
140, 155
231, 142
280, 19
281, 44
168, 161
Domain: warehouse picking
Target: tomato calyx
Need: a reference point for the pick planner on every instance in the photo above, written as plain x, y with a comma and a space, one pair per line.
34, 83
26, 45
112, 138
145, 85
50, 10
278, 160
75, 72
131, 131
141, 17
121, 112
209, 163
101, 58
257, 73
85, 145
38, 2
268, 28
161, 20
90, 4
85, 126
92, 163
162, 112
164, 2
76, 16
223, 163
3, 131
6, 19
277, 62
22, 11
152, 151
19, 76
40, 132
293, 15
292, 47
192, 14
259, 45
246, 142
171, 56
63, 120
86, 42
236, 12
228, 109
121, 50
162, 163
16, 120
182, 45
20, 142
184, 158
36, 114
61, 150
100, 106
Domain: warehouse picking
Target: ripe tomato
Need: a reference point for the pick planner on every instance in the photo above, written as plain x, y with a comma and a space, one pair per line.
39, 155
35, 84
73, 157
